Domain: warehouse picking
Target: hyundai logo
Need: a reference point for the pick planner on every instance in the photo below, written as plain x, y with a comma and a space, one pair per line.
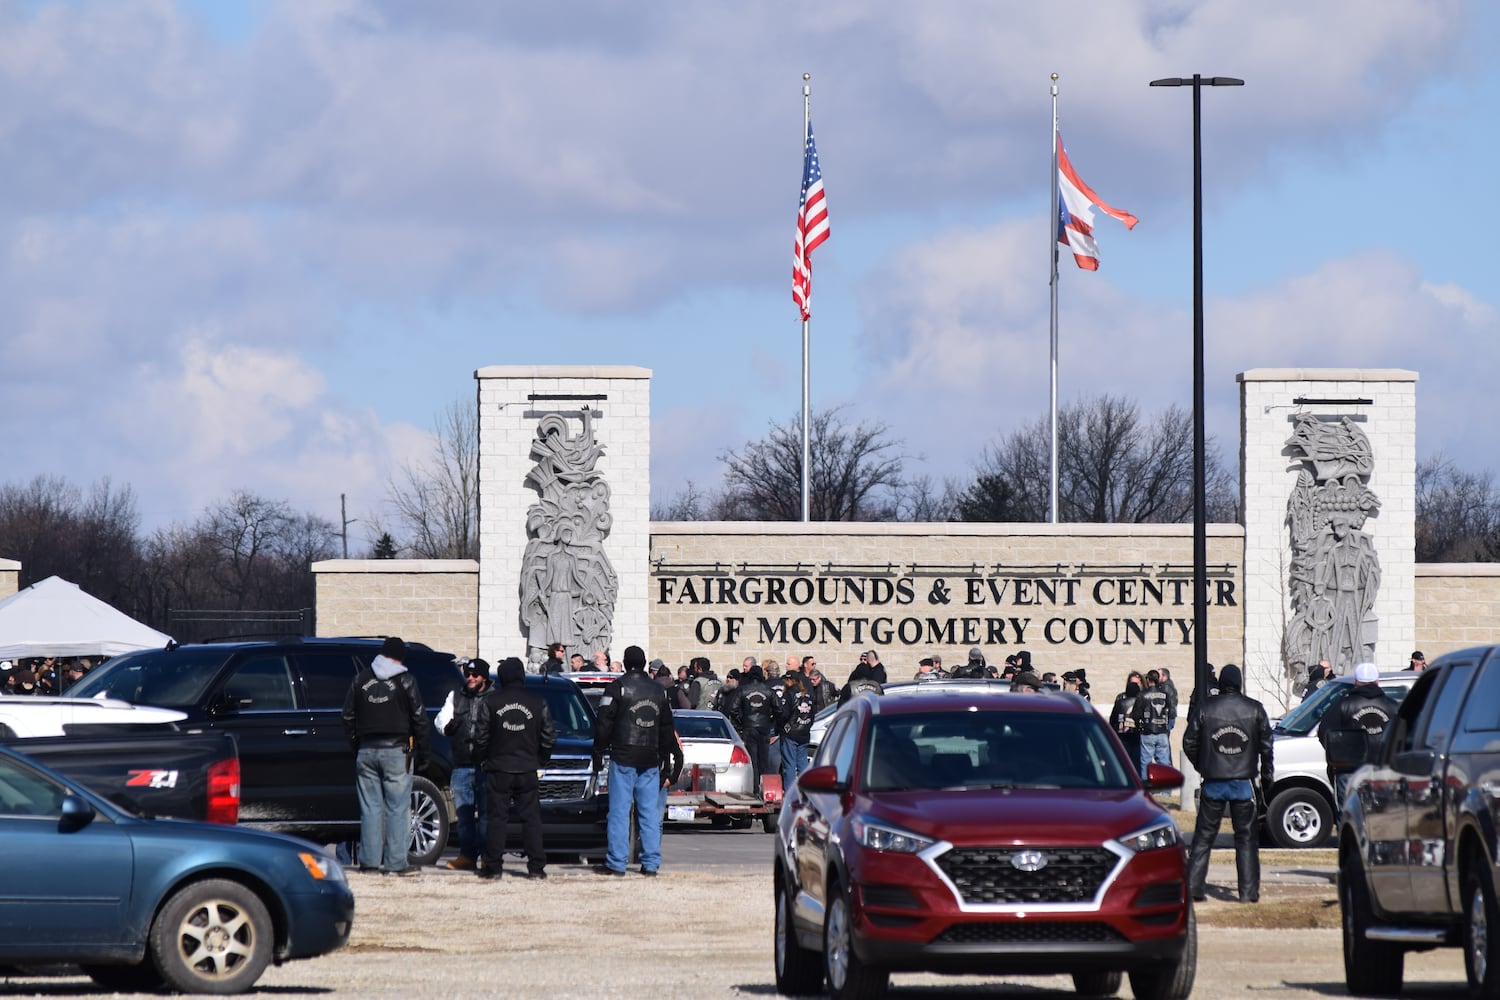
1028, 861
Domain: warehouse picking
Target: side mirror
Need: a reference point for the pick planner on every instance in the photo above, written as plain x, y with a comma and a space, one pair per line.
1414, 763
76, 814
820, 779
1161, 778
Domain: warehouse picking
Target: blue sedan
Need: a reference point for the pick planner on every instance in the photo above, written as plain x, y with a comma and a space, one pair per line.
141, 903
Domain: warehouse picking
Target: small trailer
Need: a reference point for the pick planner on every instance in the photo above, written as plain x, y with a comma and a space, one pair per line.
694, 798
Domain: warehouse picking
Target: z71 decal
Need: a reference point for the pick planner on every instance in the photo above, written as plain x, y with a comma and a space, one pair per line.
152, 779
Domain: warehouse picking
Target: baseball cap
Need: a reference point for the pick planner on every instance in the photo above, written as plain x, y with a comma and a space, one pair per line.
1417, 655
1366, 673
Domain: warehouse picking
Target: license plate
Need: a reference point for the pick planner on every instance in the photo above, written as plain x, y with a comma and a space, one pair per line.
681, 812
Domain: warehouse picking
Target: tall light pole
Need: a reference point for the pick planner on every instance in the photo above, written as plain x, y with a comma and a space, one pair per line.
1200, 508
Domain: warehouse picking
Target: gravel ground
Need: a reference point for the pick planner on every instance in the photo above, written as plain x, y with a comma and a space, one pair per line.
706, 932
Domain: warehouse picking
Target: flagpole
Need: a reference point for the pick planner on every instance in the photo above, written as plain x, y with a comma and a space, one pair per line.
806, 341
1052, 230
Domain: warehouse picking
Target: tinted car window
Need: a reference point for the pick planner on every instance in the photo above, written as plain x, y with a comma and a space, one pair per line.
831, 742
983, 750
261, 683
570, 711
167, 678
1484, 704
843, 755
23, 792
1437, 722
326, 678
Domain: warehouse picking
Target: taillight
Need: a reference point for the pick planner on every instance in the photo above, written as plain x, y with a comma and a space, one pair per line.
224, 791
739, 756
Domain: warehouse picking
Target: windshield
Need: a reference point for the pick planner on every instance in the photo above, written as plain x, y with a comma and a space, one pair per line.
166, 678
991, 750
1301, 720
702, 727
570, 711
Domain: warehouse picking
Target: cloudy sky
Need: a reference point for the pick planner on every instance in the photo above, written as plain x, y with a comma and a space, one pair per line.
262, 245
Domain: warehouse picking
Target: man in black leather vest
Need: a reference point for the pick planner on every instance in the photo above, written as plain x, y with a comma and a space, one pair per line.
1226, 740
460, 719
1355, 726
635, 728
515, 740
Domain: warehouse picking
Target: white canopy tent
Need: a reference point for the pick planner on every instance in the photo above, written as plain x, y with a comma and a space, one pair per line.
54, 618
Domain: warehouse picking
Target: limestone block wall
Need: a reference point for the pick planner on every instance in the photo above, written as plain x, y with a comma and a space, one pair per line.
433, 601
10, 577
1270, 399
512, 399
1457, 606
1108, 598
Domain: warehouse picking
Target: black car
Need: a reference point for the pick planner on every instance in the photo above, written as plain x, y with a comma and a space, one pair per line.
283, 701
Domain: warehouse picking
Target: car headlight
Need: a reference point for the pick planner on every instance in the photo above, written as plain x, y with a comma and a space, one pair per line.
321, 867
884, 837
1152, 838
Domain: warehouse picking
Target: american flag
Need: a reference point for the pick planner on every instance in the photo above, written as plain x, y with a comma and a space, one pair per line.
1075, 213
812, 226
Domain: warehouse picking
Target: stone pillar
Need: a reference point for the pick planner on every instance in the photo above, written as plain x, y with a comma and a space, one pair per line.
1277, 404
513, 400
10, 577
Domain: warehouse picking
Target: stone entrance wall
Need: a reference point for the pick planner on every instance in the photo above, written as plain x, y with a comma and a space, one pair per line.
1107, 598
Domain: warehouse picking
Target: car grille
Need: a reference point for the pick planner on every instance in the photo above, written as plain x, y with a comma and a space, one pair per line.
552, 789
1030, 932
987, 874
564, 778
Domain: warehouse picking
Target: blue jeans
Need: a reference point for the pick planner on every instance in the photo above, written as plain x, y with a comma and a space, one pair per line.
641, 787
793, 762
384, 787
467, 785
1156, 748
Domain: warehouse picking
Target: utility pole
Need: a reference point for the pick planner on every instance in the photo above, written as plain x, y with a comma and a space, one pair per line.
347, 520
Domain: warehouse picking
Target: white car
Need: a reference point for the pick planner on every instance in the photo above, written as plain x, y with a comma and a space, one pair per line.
712, 749
30, 717
1300, 809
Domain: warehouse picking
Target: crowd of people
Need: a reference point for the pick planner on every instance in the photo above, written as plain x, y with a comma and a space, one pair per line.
44, 675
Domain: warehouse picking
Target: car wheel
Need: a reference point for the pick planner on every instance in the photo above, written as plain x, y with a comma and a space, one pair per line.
1097, 984
1299, 817
768, 823
213, 936
741, 822
1172, 981
139, 978
798, 970
1371, 968
429, 823
849, 978
1481, 928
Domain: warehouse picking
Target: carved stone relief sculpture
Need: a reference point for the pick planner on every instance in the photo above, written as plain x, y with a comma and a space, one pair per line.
568, 585
1335, 572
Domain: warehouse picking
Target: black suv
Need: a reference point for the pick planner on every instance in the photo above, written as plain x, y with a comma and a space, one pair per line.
283, 701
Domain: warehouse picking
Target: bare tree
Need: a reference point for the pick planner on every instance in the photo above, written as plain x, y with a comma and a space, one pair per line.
437, 502
1458, 514
54, 529
855, 476
1113, 466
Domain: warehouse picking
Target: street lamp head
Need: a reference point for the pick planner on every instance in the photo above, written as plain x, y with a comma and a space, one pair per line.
1201, 81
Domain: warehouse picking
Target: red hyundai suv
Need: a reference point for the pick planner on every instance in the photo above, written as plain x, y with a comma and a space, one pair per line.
964, 831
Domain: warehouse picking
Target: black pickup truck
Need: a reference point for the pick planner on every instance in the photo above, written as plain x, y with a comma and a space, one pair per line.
283, 701
1418, 831
163, 774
